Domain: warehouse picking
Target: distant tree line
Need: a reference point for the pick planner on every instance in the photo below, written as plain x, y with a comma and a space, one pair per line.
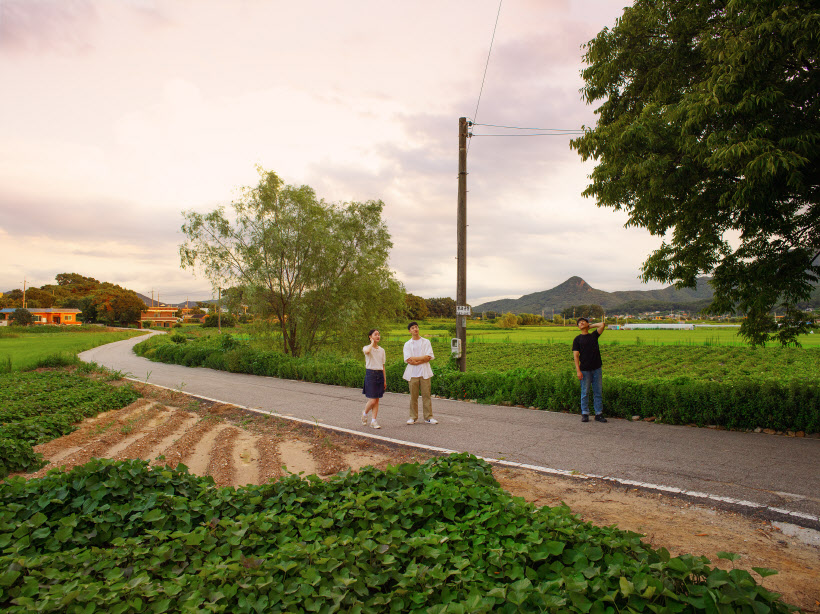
100, 302
419, 308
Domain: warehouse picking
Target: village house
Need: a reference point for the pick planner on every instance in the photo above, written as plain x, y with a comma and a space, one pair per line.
64, 316
159, 315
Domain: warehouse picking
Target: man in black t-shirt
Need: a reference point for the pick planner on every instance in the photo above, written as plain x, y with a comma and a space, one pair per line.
588, 364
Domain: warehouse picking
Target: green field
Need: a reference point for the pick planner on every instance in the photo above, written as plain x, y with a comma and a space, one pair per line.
479, 332
20, 349
708, 355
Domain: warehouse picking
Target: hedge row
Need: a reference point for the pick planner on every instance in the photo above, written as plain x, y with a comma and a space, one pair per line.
790, 406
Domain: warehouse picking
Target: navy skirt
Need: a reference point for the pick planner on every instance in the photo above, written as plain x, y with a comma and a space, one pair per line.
373, 384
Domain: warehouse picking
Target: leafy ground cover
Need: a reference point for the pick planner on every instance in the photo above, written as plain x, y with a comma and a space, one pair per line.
38, 407
437, 537
21, 349
238, 447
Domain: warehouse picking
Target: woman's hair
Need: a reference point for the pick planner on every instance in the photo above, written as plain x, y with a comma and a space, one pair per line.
372, 330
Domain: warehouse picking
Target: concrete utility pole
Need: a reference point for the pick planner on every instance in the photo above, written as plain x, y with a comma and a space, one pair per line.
461, 235
24, 294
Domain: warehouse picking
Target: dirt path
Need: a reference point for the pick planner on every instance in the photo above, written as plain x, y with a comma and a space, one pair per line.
237, 447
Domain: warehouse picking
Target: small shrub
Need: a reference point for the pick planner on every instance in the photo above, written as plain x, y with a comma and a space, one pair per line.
508, 320
213, 321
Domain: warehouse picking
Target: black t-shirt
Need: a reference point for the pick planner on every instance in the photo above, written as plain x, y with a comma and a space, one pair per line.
587, 345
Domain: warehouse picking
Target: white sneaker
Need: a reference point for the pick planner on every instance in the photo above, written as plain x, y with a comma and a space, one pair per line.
431, 421
411, 421
374, 424
364, 418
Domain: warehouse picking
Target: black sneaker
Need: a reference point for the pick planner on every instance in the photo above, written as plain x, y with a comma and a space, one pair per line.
600, 418
584, 417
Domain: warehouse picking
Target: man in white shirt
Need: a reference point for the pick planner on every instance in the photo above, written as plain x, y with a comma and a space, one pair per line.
418, 352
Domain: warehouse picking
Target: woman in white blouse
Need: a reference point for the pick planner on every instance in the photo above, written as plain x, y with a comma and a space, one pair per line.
375, 380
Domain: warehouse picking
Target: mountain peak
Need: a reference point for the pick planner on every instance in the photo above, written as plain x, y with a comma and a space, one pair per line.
575, 282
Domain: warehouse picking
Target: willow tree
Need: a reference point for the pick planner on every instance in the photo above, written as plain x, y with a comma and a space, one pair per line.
319, 270
709, 135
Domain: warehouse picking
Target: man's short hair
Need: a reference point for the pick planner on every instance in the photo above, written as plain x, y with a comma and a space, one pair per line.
411, 325
578, 321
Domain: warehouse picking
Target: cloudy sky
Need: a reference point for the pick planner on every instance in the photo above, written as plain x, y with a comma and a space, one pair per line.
118, 115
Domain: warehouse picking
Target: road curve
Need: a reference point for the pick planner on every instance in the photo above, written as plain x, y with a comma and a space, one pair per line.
775, 476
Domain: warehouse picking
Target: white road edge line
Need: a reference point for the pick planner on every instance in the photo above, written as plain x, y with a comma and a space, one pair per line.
506, 463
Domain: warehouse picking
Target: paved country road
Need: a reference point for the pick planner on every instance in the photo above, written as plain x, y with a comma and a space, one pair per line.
771, 471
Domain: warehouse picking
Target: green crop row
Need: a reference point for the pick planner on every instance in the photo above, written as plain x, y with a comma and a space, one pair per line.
39, 407
120, 537
738, 404
638, 362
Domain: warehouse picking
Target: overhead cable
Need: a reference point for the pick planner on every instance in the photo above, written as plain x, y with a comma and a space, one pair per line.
484, 77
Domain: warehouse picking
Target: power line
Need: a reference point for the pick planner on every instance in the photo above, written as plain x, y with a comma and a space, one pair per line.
484, 77
540, 129
534, 134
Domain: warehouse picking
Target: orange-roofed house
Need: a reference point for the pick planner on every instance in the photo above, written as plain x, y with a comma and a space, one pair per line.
159, 315
63, 316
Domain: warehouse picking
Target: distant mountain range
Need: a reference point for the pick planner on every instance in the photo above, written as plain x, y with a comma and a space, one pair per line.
149, 302
575, 291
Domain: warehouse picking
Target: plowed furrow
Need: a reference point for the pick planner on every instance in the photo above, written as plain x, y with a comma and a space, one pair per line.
182, 449
198, 457
221, 468
122, 429
87, 430
144, 445
156, 455
245, 459
329, 460
270, 462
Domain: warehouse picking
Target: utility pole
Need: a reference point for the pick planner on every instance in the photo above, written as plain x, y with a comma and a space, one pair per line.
24, 293
461, 235
219, 309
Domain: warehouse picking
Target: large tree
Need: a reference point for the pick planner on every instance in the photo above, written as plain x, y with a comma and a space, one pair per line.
112, 304
416, 307
319, 270
709, 136
442, 307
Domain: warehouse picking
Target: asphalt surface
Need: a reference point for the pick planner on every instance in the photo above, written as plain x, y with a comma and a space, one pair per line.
780, 474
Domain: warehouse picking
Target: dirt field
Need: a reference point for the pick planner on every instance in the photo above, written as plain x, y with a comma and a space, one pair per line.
237, 447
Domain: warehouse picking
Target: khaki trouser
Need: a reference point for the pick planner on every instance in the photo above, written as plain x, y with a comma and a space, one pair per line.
427, 403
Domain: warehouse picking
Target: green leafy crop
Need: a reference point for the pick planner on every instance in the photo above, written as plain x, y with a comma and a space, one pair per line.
39, 407
440, 537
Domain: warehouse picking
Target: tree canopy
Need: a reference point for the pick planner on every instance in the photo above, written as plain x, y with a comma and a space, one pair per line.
318, 270
442, 307
112, 304
22, 317
708, 135
416, 307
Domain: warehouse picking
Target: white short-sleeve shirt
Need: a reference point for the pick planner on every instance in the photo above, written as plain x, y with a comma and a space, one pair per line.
420, 347
374, 359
